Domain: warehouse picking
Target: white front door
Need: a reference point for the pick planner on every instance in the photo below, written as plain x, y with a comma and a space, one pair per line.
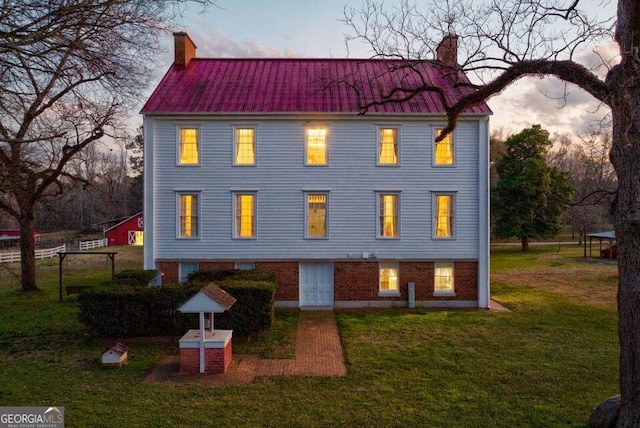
316, 284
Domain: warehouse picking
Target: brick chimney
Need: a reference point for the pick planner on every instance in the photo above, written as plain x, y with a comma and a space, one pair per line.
447, 50
185, 49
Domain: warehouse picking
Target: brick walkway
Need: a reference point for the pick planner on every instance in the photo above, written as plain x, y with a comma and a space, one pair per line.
318, 353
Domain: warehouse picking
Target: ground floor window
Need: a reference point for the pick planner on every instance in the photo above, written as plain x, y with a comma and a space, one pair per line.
245, 265
444, 280
185, 269
388, 274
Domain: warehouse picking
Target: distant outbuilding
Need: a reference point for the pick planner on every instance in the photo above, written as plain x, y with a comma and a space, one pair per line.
127, 232
611, 252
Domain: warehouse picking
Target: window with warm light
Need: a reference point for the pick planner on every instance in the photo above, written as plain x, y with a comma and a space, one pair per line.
443, 282
245, 215
316, 215
388, 215
443, 152
245, 146
443, 221
388, 146
189, 150
185, 269
188, 214
316, 146
388, 273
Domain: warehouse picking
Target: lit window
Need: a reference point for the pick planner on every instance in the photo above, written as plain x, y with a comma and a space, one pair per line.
189, 146
185, 269
245, 215
388, 146
316, 215
245, 146
443, 283
443, 153
388, 214
188, 209
316, 143
443, 216
388, 272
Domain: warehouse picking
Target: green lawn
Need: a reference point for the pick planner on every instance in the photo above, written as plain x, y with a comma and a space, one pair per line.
546, 364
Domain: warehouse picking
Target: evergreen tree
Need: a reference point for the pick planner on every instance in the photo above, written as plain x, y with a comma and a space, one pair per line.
530, 196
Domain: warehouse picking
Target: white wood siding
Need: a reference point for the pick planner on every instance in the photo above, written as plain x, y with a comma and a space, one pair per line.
280, 180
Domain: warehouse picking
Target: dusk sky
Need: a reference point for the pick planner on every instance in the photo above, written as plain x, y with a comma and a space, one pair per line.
302, 28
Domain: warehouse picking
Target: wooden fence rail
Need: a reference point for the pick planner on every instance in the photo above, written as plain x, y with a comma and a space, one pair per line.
45, 253
97, 243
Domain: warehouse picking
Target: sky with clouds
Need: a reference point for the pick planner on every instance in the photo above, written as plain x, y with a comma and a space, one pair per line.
307, 28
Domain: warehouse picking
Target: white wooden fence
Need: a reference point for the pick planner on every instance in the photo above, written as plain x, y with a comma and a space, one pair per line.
90, 245
45, 253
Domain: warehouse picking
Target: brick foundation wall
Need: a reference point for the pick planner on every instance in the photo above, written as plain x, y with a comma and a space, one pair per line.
466, 280
217, 265
422, 274
287, 278
216, 360
356, 280
170, 272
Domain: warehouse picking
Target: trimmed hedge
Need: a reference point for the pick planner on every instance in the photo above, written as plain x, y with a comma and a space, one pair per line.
222, 274
253, 310
134, 277
122, 311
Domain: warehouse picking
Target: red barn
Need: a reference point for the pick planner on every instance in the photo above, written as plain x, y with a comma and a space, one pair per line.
127, 232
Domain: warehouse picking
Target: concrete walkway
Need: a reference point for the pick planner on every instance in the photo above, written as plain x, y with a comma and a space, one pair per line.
497, 307
318, 353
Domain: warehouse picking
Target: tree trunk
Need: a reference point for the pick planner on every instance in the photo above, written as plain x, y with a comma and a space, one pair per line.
27, 247
625, 156
525, 243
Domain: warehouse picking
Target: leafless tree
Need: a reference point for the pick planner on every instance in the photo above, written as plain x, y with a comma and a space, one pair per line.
505, 40
586, 160
70, 70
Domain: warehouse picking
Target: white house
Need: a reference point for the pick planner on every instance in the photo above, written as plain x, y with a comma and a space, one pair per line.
271, 164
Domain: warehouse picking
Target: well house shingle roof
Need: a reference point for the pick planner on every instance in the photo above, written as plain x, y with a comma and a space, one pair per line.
289, 86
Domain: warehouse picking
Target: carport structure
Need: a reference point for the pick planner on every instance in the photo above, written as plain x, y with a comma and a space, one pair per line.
609, 237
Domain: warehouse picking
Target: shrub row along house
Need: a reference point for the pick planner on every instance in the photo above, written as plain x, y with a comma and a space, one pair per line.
271, 164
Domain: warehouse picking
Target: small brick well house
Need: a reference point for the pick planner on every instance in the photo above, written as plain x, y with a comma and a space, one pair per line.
274, 164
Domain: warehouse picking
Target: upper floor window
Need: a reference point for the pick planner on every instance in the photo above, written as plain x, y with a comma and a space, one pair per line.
316, 215
316, 146
388, 146
245, 146
388, 215
443, 282
189, 147
443, 215
388, 278
443, 153
245, 223
188, 215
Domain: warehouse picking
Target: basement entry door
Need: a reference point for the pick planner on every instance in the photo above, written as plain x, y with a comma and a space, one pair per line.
316, 284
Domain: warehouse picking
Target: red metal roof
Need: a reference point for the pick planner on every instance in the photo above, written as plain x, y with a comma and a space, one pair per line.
251, 86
